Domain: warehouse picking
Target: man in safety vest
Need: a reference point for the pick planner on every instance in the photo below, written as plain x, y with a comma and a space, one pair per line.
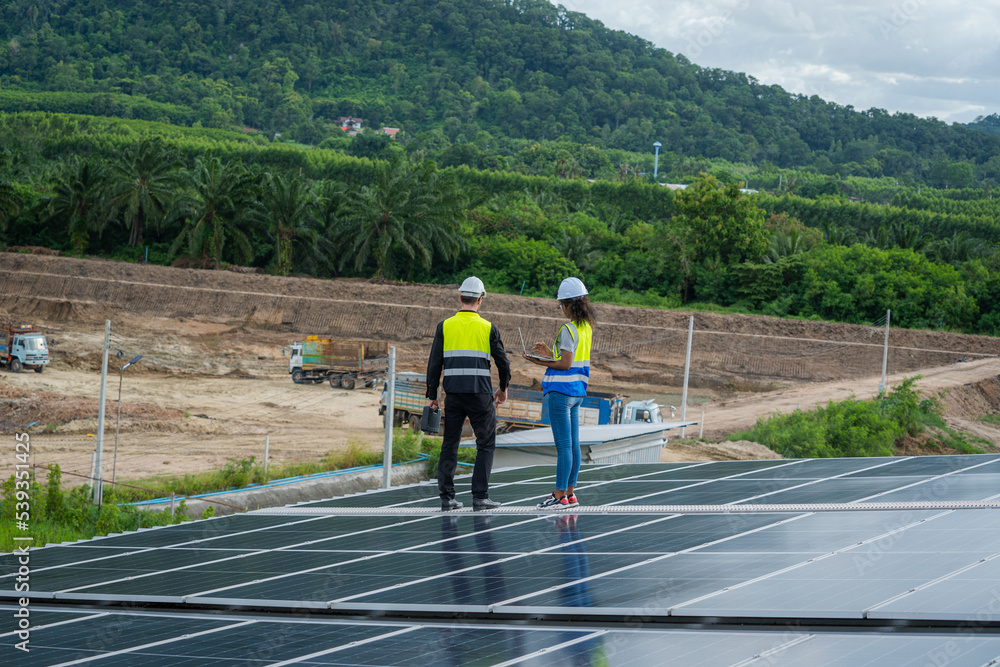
463, 345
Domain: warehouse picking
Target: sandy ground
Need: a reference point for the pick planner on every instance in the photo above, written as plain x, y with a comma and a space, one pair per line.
219, 418
213, 384
205, 421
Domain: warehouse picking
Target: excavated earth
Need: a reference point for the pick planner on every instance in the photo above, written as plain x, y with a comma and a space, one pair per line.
212, 383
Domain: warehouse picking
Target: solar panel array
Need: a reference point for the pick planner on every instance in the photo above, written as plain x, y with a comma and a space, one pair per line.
723, 587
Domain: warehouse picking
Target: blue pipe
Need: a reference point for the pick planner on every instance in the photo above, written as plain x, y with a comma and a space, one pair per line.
280, 482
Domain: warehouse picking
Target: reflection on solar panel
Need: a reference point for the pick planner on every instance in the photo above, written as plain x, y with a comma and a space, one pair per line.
720, 587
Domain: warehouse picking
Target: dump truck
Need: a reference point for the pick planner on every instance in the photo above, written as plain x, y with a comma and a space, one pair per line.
342, 363
409, 399
524, 407
22, 346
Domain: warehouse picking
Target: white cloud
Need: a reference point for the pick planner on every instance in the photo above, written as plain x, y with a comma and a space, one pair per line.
928, 57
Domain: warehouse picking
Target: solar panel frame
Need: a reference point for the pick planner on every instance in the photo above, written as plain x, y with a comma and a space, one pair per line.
182, 639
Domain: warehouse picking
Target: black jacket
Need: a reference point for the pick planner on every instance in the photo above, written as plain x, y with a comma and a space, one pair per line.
436, 361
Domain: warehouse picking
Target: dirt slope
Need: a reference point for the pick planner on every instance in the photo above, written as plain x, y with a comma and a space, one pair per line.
212, 383
636, 345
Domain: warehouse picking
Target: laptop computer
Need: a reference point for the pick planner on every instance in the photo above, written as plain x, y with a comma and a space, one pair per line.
525, 350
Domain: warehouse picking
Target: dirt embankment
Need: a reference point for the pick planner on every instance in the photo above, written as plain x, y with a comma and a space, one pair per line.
213, 383
634, 345
21, 406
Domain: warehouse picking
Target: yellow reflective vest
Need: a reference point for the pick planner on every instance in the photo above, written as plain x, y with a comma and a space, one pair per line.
466, 354
572, 381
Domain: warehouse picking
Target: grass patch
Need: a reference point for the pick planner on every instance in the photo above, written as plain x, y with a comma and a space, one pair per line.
991, 419
57, 516
241, 473
860, 428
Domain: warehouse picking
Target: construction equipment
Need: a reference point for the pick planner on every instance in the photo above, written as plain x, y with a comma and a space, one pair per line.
344, 363
22, 346
524, 407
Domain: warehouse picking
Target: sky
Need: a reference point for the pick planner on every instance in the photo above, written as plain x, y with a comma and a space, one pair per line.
937, 58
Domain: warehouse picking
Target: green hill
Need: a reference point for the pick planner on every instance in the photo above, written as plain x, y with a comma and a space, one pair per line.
524, 157
486, 73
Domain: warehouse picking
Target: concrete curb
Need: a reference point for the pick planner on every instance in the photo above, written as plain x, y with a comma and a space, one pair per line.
298, 492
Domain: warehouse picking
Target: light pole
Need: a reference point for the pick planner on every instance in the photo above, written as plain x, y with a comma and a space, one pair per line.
121, 373
656, 158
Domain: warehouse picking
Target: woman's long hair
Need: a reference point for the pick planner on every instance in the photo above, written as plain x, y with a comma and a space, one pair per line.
580, 310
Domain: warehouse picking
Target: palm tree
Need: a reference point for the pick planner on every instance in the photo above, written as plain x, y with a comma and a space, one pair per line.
625, 172
286, 209
899, 235
79, 199
617, 221
331, 196
835, 235
576, 247
957, 249
567, 166
412, 211
785, 244
214, 210
10, 203
144, 181
910, 237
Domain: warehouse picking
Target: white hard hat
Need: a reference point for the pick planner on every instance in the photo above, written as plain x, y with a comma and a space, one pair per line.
472, 286
571, 288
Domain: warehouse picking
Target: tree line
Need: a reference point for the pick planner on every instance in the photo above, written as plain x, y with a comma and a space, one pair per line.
217, 211
207, 198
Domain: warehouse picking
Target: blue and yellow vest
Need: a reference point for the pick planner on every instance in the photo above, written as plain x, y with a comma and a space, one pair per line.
573, 381
466, 354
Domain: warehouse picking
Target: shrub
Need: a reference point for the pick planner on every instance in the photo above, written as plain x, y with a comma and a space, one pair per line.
847, 428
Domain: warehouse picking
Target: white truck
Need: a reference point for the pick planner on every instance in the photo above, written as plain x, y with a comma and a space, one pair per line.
22, 346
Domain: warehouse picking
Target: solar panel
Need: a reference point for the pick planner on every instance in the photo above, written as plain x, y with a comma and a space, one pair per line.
157, 639
718, 568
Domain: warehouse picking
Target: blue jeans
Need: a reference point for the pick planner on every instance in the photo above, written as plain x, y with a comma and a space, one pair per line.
564, 416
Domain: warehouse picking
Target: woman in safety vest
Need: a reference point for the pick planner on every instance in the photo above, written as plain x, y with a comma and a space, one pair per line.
565, 386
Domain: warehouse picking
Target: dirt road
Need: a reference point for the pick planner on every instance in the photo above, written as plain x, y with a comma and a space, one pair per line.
959, 381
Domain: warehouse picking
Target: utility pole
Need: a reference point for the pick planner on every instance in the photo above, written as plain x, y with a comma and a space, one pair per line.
687, 373
390, 400
98, 481
885, 352
267, 452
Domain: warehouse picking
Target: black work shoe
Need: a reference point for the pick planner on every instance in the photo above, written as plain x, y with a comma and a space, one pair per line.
447, 505
484, 504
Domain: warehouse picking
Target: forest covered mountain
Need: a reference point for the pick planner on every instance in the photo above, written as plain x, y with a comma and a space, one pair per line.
150, 132
489, 73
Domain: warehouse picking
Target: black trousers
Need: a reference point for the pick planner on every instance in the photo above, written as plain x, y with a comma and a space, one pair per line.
482, 414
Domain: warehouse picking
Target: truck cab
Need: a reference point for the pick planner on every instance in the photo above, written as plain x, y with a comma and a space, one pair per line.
25, 348
294, 361
294, 355
641, 412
